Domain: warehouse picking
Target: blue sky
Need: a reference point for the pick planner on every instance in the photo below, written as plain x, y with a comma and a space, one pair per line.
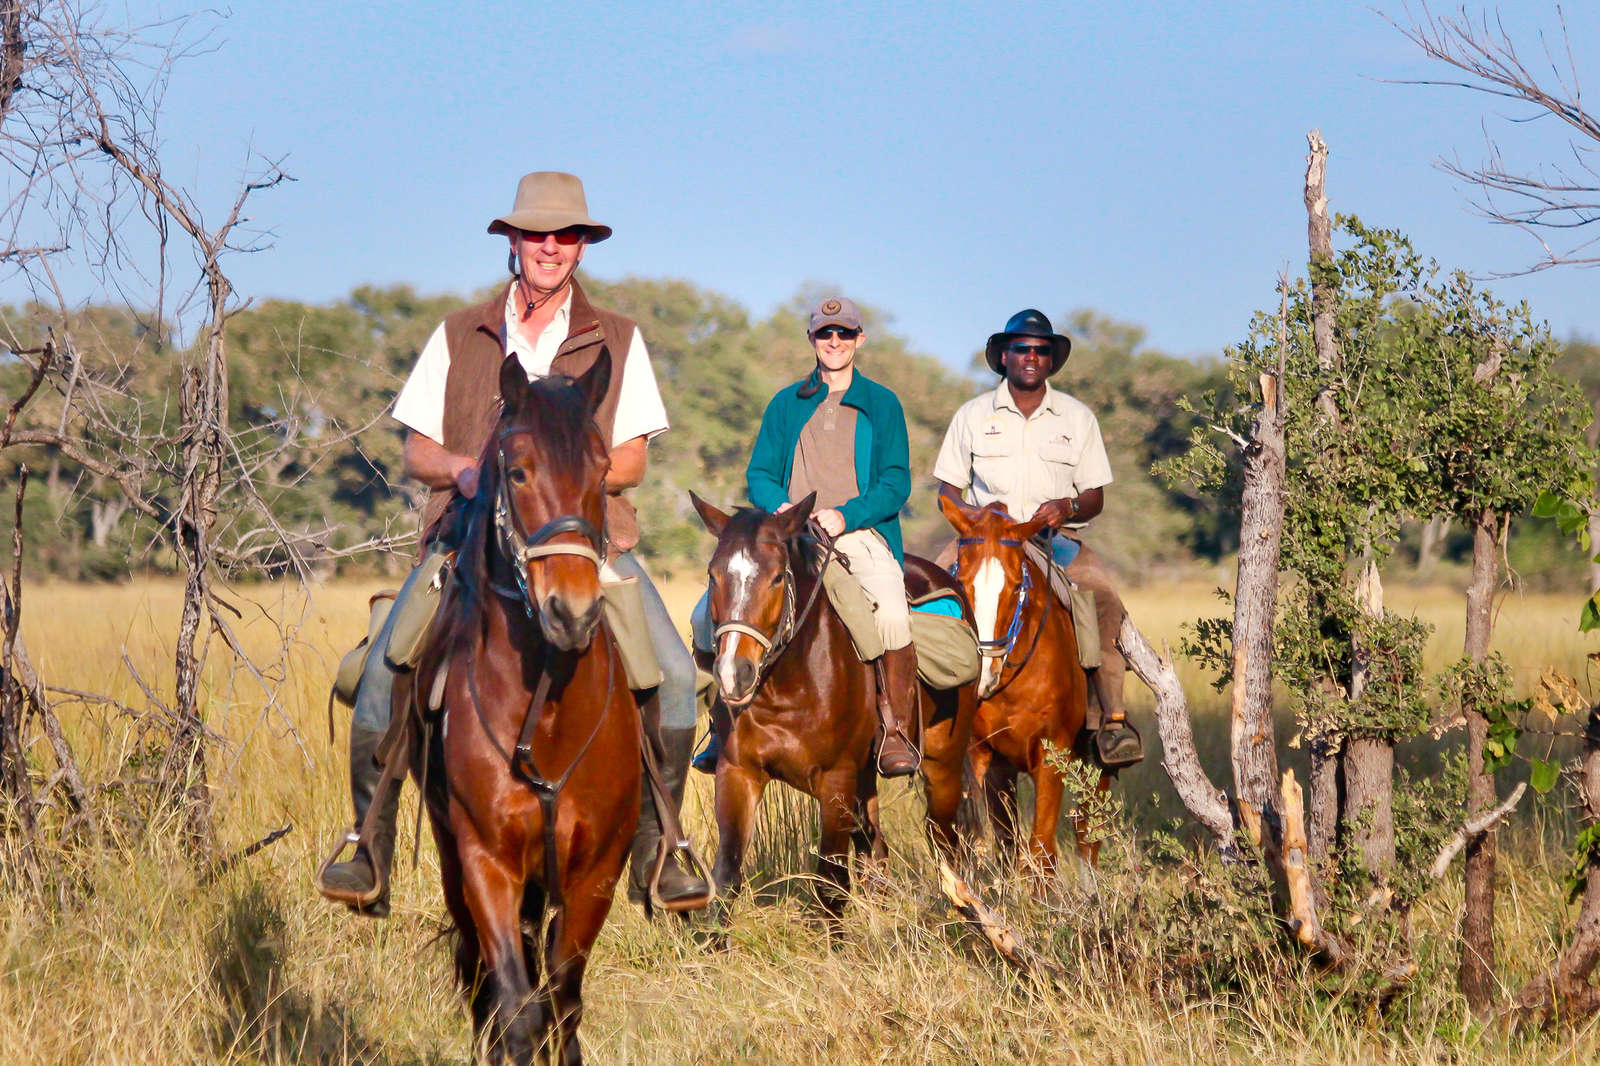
949, 163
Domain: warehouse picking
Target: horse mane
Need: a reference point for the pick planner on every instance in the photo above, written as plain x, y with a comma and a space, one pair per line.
562, 427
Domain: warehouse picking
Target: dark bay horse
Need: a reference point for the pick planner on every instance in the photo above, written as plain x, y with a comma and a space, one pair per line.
805, 706
538, 723
1032, 690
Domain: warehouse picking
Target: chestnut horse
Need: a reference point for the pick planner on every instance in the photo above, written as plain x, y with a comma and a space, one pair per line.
538, 722
1031, 691
804, 704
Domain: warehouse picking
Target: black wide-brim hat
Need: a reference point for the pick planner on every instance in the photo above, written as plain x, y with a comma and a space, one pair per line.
1028, 323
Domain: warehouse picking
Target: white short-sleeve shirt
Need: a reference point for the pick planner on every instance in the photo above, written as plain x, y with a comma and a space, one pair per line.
993, 453
640, 412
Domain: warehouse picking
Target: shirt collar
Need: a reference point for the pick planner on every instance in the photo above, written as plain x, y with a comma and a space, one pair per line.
1002, 398
514, 316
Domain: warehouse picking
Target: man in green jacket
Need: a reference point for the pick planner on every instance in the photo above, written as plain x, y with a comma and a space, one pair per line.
841, 435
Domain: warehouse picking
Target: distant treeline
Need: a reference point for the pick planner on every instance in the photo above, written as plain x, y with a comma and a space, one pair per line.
310, 386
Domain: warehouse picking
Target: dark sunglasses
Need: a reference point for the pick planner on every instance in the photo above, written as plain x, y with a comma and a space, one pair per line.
1030, 349
569, 236
836, 331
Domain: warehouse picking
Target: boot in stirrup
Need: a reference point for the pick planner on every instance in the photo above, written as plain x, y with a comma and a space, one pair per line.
362, 882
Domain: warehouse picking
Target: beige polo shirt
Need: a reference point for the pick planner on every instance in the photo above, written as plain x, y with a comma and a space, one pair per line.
993, 453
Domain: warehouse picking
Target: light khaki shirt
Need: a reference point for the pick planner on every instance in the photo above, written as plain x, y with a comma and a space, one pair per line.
992, 453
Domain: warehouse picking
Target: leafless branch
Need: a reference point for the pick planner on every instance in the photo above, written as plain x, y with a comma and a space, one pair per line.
1555, 197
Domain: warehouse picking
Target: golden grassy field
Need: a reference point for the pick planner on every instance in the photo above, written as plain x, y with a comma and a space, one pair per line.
151, 967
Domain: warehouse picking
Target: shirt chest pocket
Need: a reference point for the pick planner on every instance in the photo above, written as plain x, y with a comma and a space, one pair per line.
1060, 461
994, 463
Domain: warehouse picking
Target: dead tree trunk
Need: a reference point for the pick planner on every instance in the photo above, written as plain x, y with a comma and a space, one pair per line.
1477, 921
1254, 736
19, 831
1566, 990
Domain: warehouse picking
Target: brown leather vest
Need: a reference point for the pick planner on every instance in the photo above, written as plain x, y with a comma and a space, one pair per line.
472, 387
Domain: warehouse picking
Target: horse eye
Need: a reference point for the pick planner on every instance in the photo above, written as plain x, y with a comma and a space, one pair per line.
776, 581
518, 475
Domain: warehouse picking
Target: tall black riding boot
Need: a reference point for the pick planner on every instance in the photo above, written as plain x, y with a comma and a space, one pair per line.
677, 882
358, 881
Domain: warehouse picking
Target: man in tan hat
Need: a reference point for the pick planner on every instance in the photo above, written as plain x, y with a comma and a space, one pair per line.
1038, 452
449, 406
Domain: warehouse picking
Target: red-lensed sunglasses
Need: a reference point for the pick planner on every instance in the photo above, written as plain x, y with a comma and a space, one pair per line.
569, 236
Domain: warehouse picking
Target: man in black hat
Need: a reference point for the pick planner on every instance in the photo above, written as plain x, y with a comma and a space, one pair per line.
1038, 453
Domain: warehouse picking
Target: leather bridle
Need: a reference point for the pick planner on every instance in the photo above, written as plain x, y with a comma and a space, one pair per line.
789, 621
519, 549
1001, 647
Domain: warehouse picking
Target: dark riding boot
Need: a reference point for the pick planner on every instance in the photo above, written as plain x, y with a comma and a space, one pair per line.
897, 754
677, 883
1116, 742
356, 879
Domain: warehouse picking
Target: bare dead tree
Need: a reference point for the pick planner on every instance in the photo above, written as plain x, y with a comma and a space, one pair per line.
81, 121
1557, 201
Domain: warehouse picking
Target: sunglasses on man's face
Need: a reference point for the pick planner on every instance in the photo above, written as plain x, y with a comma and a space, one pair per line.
570, 236
829, 332
1029, 349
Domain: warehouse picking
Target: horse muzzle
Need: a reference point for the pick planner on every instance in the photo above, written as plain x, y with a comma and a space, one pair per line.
568, 625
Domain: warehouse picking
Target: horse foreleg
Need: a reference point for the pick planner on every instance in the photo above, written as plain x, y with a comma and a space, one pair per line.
836, 797
998, 779
738, 795
567, 955
1048, 790
515, 1020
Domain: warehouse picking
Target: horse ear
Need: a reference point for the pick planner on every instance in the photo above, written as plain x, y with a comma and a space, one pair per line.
792, 521
957, 514
513, 383
716, 521
594, 382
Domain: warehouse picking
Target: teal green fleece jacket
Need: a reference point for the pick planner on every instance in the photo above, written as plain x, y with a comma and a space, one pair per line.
883, 456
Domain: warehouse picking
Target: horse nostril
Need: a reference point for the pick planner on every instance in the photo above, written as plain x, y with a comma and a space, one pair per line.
744, 673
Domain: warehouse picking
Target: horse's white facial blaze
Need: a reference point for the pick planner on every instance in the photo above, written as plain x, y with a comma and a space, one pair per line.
741, 573
987, 585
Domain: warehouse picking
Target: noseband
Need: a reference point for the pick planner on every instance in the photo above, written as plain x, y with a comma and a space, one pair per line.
520, 550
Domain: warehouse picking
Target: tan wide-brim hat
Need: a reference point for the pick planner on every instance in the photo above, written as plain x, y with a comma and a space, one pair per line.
548, 200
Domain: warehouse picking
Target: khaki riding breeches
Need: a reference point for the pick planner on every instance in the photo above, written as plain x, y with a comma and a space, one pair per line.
883, 580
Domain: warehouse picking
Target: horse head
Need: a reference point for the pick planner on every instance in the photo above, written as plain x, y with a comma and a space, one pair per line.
753, 595
991, 565
544, 475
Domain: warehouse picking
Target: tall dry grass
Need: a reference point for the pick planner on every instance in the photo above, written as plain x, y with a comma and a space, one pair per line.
151, 967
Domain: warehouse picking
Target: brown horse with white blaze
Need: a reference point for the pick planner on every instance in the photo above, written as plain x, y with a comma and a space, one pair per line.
1032, 692
804, 705
533, 791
